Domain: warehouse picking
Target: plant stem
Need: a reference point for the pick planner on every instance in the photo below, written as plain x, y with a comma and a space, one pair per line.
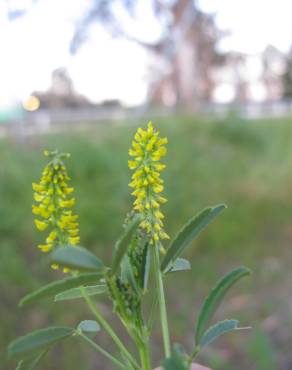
142, 343
108, 329
145, 357
101, 350
161, 301
193, 354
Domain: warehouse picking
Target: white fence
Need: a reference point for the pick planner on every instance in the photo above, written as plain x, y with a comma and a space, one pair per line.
28, 123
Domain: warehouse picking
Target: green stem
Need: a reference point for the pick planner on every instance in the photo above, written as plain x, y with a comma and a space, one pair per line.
193, 355
101, 350
138, 332
145, 357
108, 329
161, 301
142, 343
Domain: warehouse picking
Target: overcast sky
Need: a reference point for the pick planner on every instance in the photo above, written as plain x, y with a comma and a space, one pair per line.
34, 45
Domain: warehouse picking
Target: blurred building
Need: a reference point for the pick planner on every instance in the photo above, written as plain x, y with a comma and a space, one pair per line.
249, 78
61, 93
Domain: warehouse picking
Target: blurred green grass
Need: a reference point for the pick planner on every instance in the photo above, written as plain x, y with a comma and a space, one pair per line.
244, 163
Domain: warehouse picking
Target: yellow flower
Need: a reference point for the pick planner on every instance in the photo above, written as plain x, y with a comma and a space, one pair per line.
67, 203
52, 236
74, 240
147, 150
40, 225
45, 247
54, 206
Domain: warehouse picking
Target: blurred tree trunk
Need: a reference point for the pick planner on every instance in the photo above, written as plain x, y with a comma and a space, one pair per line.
185, 53
190, 52
287, 77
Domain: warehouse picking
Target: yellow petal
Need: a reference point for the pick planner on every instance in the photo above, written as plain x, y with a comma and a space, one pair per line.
45, 247
40, 225
74, 240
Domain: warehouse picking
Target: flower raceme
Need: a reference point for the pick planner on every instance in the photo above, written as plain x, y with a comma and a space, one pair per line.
54, 205
147, 150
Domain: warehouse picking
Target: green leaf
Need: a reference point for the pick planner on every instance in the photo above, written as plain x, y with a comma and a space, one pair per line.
188, 233
76, 258
180, 264
123, 243
30, 363
59, 286
218, 329
89, 327
215, 298
146, 262
38, 340
76, 292
177, 360
127, 274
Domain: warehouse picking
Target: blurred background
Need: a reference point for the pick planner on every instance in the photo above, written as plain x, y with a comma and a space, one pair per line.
216, 78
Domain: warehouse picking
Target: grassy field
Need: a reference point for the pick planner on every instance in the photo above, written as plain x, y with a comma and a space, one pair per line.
245, 164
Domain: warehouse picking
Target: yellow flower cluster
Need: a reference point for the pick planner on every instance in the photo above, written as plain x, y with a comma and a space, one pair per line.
147, 150
53, 205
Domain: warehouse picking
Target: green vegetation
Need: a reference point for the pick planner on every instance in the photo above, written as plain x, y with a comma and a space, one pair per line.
245, 164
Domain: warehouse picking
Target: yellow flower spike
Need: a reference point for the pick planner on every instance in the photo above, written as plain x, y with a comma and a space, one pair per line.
51, 195
147, 150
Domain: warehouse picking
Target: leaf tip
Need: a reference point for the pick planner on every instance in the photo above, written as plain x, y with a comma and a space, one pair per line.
246, 270
220, 206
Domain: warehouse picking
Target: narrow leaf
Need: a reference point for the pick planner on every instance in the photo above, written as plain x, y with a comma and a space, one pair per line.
89, 326
218, 329
188, 233
180, 264
127, 274
215, 298
37, 341
59, 286
146, 261
76, 292
123, 243
77, 258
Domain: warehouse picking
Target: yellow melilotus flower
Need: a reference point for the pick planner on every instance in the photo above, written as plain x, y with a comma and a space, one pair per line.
53, 205
147, 150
